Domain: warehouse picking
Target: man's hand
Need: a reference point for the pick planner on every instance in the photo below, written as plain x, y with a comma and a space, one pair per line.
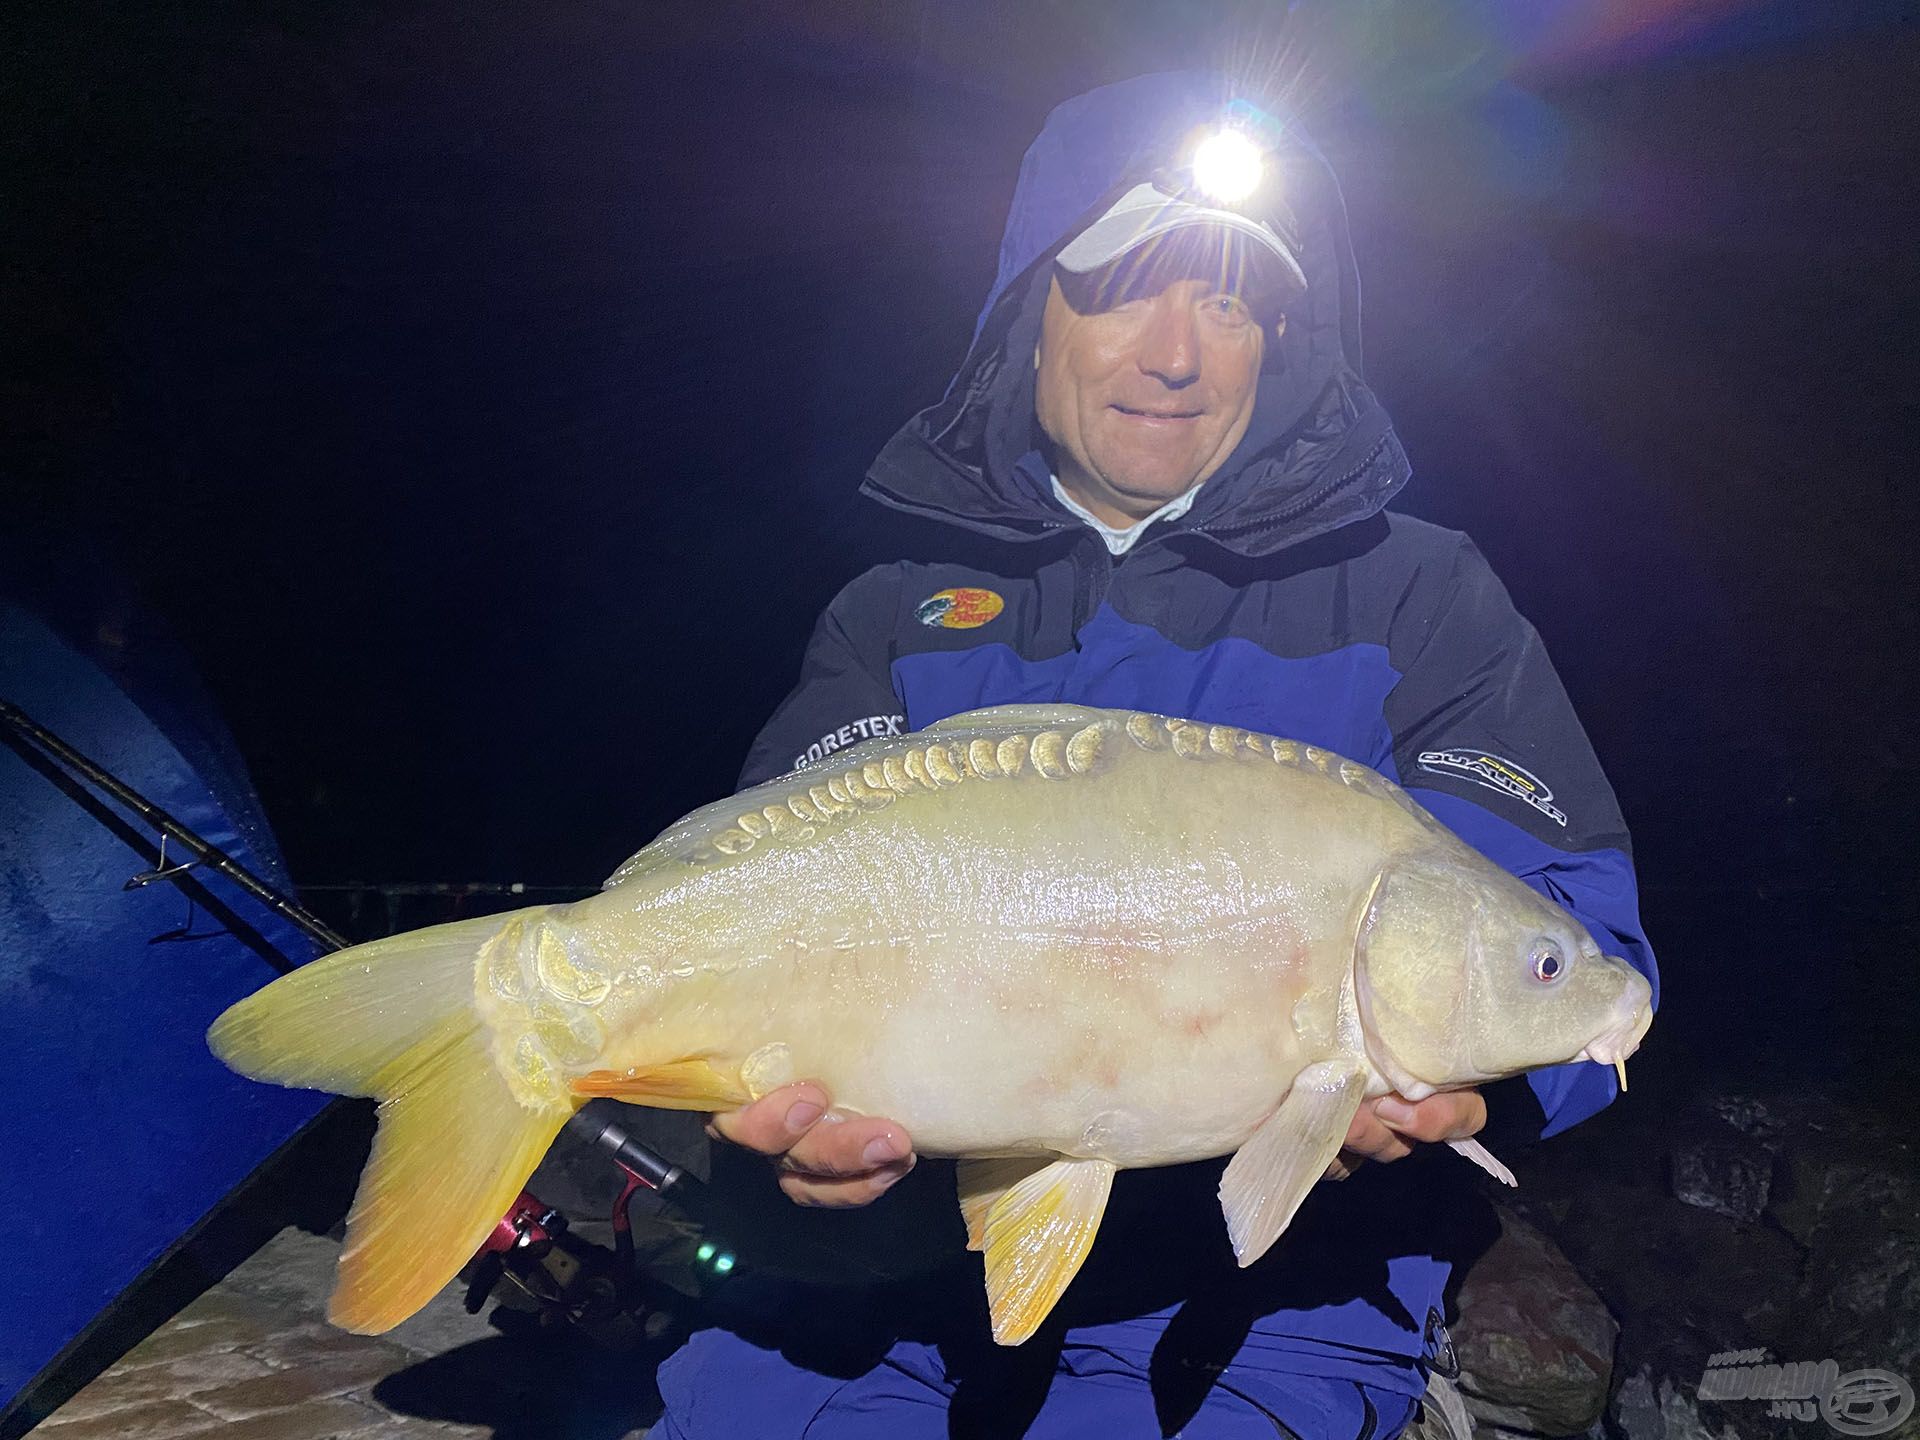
1383, 1128
824, 1157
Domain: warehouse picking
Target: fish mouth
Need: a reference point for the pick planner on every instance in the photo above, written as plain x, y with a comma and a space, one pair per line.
1628, 1025
1617, 1045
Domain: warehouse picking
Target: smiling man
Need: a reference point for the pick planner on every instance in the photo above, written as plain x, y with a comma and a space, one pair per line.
1165, 482
1145, 394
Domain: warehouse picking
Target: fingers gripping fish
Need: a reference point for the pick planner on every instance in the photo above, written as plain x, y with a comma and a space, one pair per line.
1051, 941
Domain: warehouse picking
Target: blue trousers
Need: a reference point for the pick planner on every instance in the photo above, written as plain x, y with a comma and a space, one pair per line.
720, 1386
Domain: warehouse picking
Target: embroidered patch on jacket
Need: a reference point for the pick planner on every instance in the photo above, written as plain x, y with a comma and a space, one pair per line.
966, 608
1496, 774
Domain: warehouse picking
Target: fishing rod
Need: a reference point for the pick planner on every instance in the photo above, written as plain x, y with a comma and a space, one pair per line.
530, 1231
32, 732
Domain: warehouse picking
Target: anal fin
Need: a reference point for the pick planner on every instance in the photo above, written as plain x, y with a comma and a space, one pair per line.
691, 1084
1271, 1174
1036, 1236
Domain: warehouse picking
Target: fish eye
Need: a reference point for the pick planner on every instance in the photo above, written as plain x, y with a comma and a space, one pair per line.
1548, 966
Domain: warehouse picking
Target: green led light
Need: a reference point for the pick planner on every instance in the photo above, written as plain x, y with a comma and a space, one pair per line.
705, 1252
723, 1264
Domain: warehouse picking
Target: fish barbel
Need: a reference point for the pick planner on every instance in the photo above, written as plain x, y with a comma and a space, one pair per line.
1051, 941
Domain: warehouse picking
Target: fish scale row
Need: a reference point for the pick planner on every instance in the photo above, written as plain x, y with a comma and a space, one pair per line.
1196, 741
875, 784
1051, 754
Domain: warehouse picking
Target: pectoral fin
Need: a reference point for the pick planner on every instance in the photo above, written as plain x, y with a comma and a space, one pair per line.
1267, 1179
1036, 1235
681, 1085
981, 1183
1483, 1157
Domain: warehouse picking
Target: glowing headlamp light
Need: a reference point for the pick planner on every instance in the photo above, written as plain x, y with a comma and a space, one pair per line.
1225, 180
1227, 166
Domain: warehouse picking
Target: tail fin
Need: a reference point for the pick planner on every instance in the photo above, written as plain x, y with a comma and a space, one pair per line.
395, 1020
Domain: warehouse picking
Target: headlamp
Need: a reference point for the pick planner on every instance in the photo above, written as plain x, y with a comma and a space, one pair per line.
1228, 163
1224, 178
1228, 166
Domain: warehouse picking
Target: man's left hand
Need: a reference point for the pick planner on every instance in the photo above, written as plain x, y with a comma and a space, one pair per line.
1385, 1129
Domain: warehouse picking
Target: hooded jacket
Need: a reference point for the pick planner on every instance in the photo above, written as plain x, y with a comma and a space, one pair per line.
1287, 600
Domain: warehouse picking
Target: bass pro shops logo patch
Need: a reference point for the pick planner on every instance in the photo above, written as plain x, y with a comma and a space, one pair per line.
1496, 774
967, 608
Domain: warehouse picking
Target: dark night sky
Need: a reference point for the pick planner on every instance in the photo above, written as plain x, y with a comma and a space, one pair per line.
479, 391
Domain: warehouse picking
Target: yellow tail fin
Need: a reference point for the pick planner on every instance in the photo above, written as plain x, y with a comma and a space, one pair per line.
395, 1020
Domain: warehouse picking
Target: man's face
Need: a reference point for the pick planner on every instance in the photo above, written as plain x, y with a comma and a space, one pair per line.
1144, 387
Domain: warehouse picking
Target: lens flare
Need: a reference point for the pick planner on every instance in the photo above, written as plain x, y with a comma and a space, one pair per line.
1227, 166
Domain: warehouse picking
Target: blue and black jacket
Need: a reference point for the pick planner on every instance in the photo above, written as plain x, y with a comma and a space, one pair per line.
1288, 600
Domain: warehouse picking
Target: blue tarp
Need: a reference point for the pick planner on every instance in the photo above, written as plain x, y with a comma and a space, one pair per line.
118, 1130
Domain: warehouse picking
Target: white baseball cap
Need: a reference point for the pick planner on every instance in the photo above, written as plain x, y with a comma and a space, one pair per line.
1147, 212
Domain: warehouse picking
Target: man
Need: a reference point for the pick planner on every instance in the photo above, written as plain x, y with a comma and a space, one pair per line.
1166, 481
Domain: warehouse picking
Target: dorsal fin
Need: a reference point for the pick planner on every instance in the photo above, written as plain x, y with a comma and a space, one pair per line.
997, 717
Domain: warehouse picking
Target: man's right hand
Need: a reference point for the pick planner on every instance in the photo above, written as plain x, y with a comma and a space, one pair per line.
824, 1156
1385, 1129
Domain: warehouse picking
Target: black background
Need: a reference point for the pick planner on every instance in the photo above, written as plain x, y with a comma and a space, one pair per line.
480, 392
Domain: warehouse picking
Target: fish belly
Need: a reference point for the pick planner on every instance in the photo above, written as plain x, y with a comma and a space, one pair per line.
1136, 1055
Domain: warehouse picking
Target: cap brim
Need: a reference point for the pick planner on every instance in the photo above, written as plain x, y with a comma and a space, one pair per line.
1145, 213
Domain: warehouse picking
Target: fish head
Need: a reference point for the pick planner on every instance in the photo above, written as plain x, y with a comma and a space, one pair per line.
1464, 974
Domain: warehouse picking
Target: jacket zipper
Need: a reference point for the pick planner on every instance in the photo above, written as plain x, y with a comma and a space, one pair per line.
1093, 578
1307, 502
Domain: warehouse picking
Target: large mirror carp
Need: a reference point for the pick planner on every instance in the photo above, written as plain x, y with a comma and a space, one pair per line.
1051, 941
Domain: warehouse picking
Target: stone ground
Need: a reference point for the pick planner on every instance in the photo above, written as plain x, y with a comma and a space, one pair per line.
254, 1359
1706, 1218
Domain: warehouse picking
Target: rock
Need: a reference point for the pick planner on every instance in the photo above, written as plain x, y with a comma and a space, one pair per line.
1658, 1214
1646, 1411
1717, 1167
1635, 1412
1847, 1190
1535, 1343
1863, 1264
1751, 1115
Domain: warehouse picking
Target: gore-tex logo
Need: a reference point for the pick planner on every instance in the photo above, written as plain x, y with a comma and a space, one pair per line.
867, 727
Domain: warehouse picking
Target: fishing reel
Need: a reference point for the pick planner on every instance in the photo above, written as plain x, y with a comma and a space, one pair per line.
639, 1293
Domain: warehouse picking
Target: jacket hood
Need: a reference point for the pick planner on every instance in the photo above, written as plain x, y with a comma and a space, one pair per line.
1319, 452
